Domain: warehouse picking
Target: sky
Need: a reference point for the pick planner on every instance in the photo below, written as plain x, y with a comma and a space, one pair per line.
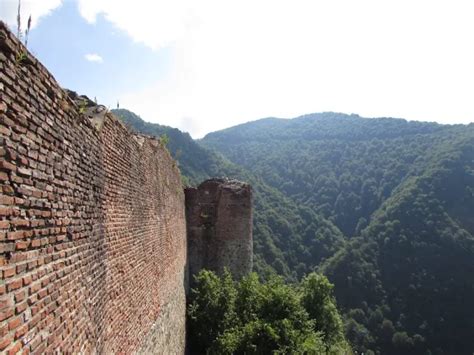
206, 65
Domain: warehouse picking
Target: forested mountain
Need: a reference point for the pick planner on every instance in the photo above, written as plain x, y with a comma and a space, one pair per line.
341, 166
384, 207
408, 277
402, 193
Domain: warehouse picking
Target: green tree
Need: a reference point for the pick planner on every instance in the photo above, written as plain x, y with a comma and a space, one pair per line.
211, 311
318, 300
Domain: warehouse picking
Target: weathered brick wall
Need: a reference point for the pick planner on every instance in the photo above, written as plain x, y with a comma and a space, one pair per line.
145, 232
92, 226
219, 221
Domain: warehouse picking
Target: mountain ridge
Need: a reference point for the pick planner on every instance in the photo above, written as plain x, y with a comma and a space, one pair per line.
324, 118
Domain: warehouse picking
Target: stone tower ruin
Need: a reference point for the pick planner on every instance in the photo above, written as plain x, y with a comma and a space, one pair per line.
219, 227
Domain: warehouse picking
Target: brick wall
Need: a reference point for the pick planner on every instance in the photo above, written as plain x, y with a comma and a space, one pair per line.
219, 221
92, 227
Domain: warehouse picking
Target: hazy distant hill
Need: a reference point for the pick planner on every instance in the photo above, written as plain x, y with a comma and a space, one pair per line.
402, 193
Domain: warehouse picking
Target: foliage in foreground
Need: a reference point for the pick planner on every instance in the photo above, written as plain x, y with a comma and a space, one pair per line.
251, 317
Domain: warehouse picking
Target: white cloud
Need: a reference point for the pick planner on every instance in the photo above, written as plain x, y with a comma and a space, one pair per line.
236, 61
156, 23
35, 8
93, 57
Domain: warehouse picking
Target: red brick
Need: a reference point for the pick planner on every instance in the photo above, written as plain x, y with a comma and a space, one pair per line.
35, 288
34, 310
33, 155
22, 245
6, 211
32, 264
20, 296
26, 280
12, 153
15, 349
7, 165
6, 313
5, 131
32, 299
42, 293
15, 235
20, 223
35, 343
3, 330
5, 303
21, 268
14, 285
35, 243
9, 272
14, 323
23, 171
19, 201
23, 161
7, 189
5, 341
6, 200
21, 307
21, 331
34, 321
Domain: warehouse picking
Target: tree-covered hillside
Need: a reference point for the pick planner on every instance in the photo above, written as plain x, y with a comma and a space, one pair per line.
341, 166
402, 193
411, 267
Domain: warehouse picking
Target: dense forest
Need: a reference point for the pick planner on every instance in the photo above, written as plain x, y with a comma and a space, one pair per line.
383, 207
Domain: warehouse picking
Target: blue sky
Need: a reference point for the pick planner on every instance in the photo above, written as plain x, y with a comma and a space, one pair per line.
65, 37
210, 64
62, 40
